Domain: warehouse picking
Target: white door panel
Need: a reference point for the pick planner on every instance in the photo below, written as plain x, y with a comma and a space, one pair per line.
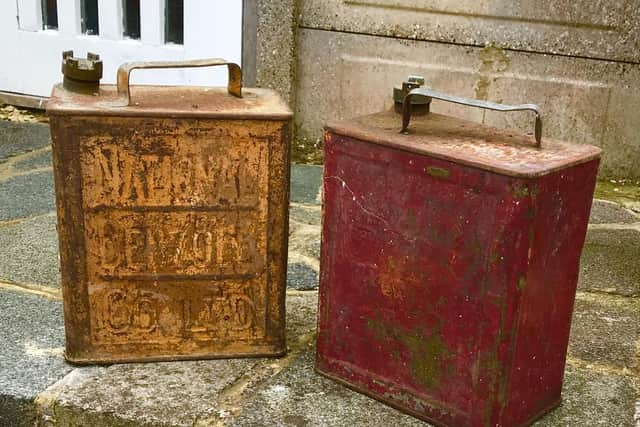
29, 18
31, 56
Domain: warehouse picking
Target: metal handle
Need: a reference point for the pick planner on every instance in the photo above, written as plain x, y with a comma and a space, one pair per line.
430, 93
235, 73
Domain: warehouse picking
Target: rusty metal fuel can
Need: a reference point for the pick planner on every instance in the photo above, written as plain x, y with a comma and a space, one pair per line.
172, 210
449, 261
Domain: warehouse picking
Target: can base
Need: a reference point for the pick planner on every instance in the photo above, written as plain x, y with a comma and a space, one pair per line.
421, 416
105, 360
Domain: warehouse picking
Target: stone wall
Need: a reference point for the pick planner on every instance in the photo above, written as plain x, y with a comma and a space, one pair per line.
578, 60
275, 61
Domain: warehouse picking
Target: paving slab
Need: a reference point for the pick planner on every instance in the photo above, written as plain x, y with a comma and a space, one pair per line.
606, 331
302, 308
29, 252
168, 393
591, 398
610, 261
304, 246
305, 183
26, 195
302, 277
607, 212
306, 241
305, 214
165, 393
299, 397
623, 192
17, 138
36, 160
32, 337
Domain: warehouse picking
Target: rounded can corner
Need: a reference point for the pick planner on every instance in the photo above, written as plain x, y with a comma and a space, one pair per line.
279, 350
77, 360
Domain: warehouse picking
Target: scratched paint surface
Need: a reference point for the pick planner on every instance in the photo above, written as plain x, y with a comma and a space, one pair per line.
173, 236
431, 270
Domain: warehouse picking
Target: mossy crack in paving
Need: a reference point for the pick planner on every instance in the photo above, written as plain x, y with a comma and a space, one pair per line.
8, 166
23, 219
602, 368
233, 396
630, 226
43, 291
311, 262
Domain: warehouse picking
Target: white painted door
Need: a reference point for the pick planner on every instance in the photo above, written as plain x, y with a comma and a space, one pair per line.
34, 33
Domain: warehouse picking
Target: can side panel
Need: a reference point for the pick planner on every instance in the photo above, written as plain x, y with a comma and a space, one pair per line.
417, 258
70, 224
183, 236
507, 263
279, 174
561, 213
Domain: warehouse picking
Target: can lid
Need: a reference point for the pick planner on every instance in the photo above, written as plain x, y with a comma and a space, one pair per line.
171, 101
122, 99
469, 143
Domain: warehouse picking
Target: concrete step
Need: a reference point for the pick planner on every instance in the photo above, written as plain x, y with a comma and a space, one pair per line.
601, 385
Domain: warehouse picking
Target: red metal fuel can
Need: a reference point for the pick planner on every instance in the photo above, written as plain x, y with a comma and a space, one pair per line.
449, 262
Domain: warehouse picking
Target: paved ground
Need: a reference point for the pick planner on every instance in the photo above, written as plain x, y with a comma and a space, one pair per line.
602, 381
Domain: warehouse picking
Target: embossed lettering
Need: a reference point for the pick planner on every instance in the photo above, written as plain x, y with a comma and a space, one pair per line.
176, 233
126, 313
222, 313
203, 247
125, 177
204, 244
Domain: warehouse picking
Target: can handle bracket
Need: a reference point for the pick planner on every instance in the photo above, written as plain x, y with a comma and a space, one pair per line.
488, 105
124, 71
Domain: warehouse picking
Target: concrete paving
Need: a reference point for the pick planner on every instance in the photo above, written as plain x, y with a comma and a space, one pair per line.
602, 378
169, 393
611, 260
32, 337
29, 251
17, 139
606, 212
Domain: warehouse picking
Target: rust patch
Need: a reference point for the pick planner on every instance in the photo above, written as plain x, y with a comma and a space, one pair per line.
437, 172
427, 351
182, 223
174, 101
520, 191
494, 257
394, 277
522, 283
